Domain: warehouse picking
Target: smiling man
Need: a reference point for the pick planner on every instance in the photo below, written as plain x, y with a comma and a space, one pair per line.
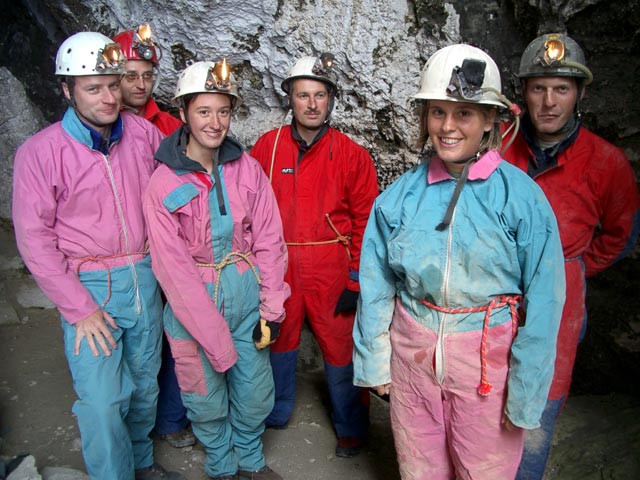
592, 190
325, 184
77, 212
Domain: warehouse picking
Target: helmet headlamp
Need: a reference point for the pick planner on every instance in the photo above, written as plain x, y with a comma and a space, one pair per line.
466, 81
110, 57
553, 52
323, 65
218, 77
144, 45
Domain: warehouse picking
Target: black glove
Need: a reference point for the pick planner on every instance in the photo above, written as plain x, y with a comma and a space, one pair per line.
347, 302
265, 333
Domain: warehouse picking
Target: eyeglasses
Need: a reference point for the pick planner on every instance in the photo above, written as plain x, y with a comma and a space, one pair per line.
133, 77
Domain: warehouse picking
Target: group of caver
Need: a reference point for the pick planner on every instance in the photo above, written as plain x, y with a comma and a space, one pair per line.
458, 291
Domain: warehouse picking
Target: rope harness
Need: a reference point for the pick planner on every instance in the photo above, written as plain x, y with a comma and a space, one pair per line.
103, 261
344, 239
229, 259
500, 301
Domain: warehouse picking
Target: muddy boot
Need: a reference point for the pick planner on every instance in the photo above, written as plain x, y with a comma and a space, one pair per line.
157, 472
265, 473
349, 447
180, 439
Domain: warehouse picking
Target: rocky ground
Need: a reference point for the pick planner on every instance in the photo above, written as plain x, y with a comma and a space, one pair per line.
598, 437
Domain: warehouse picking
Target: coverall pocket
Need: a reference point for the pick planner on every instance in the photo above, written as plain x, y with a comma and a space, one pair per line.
189, 369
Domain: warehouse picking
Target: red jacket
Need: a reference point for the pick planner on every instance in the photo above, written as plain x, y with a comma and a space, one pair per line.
593, 192
591, 188
336, 177
166, 122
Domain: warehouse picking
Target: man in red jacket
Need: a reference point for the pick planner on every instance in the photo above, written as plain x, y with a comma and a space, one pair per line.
137, 86
592, 190
143, 57
325, 185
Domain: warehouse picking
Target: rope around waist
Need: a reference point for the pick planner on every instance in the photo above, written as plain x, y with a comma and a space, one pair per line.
344, 239
500, 301
107, 266
230, 258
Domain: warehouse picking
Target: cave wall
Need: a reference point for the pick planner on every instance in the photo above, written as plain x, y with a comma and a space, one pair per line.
380, 47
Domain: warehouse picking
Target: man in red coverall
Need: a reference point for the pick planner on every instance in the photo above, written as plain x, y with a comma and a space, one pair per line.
325, 185
136, 85
592, 190
143, 57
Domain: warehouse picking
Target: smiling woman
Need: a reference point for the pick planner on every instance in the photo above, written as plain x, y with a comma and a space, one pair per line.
219, 254
440, 324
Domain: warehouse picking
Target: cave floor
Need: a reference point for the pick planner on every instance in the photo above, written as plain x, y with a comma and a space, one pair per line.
597, 436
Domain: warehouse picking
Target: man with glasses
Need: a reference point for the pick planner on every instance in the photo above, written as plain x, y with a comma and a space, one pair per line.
137, 84
143, 57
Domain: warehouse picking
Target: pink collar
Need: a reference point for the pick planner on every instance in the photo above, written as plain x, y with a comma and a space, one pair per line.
481, 170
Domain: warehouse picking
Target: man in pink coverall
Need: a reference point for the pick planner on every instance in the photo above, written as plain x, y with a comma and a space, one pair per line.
77, 212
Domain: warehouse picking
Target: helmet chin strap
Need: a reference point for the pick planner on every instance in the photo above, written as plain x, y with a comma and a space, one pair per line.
446, 220
215, 156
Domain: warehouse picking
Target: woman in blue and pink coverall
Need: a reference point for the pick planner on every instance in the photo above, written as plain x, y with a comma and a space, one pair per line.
462, 287
219, 254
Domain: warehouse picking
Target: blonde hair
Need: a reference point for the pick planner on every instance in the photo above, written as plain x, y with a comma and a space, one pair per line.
491, 140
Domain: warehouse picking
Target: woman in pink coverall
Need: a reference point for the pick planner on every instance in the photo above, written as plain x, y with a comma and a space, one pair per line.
462, 287
219, 254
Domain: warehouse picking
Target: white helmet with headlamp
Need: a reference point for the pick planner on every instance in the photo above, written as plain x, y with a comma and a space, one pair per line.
314, 68
89, 53
461, 73
207, 77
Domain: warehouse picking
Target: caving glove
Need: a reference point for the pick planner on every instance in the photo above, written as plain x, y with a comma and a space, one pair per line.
265, 333
347, 302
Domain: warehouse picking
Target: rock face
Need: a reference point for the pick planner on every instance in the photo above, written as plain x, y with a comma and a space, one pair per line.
19, 119
380, 48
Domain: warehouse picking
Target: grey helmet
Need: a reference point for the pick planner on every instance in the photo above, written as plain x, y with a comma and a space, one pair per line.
554, 55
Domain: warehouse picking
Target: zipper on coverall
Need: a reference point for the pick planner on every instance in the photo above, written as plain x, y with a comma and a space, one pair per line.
125, 233
439, 352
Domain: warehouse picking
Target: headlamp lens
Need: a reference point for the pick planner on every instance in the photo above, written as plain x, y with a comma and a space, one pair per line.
109, 57
553, 51
218, 77
323, 65
144, 33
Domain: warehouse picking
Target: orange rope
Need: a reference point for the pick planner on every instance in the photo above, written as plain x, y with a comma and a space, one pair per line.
103, 261
344, 239
500, 301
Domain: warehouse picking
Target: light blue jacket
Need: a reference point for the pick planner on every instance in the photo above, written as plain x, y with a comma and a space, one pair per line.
503, 239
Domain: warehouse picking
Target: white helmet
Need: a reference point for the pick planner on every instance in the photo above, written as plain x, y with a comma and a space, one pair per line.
461, 73
208, 77
315, 68
89, 53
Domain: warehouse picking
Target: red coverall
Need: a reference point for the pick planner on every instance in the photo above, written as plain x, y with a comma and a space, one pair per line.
166, 122
325, 195
593, 192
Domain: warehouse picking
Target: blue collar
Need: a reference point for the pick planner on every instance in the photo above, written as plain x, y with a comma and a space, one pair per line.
88, 136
